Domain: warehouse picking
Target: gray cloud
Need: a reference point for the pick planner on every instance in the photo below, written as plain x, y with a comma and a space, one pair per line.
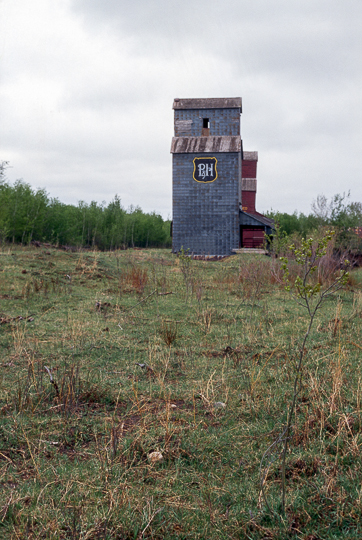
87, 89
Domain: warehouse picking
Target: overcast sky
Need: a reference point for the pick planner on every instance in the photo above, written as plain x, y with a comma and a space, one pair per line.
87, 86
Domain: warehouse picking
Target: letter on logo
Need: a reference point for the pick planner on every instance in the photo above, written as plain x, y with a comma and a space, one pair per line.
202, 168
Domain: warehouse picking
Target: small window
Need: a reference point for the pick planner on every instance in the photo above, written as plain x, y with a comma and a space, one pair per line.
205, 127
206, 123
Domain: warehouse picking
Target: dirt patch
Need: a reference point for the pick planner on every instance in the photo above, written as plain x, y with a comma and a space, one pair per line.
128, 424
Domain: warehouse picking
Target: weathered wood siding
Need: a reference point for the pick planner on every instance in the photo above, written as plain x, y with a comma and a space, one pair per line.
248, 201
249, 168
189, 122
207, 103
206, 216
252, 237
193, 145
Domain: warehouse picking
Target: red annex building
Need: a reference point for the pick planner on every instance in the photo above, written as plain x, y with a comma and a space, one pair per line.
253, 225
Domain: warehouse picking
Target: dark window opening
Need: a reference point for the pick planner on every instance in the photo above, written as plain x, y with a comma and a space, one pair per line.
205, 127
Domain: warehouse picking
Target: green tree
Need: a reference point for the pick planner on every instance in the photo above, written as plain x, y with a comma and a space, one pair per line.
310, 294
27, 214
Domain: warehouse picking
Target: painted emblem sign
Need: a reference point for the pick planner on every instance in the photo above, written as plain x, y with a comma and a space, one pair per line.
205, 169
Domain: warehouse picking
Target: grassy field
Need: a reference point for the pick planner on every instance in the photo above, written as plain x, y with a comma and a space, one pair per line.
140, 391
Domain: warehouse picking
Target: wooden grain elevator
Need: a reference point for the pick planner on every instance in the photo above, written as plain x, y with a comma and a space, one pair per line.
213, 200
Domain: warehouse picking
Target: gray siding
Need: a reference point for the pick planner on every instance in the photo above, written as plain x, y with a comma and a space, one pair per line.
206, 216
189, 122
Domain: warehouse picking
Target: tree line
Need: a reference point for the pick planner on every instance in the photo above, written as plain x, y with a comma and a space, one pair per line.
28, 215
338, 213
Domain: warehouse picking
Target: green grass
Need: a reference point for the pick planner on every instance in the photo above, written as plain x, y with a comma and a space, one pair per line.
74, 455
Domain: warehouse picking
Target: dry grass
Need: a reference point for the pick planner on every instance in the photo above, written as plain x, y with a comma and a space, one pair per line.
200, 376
